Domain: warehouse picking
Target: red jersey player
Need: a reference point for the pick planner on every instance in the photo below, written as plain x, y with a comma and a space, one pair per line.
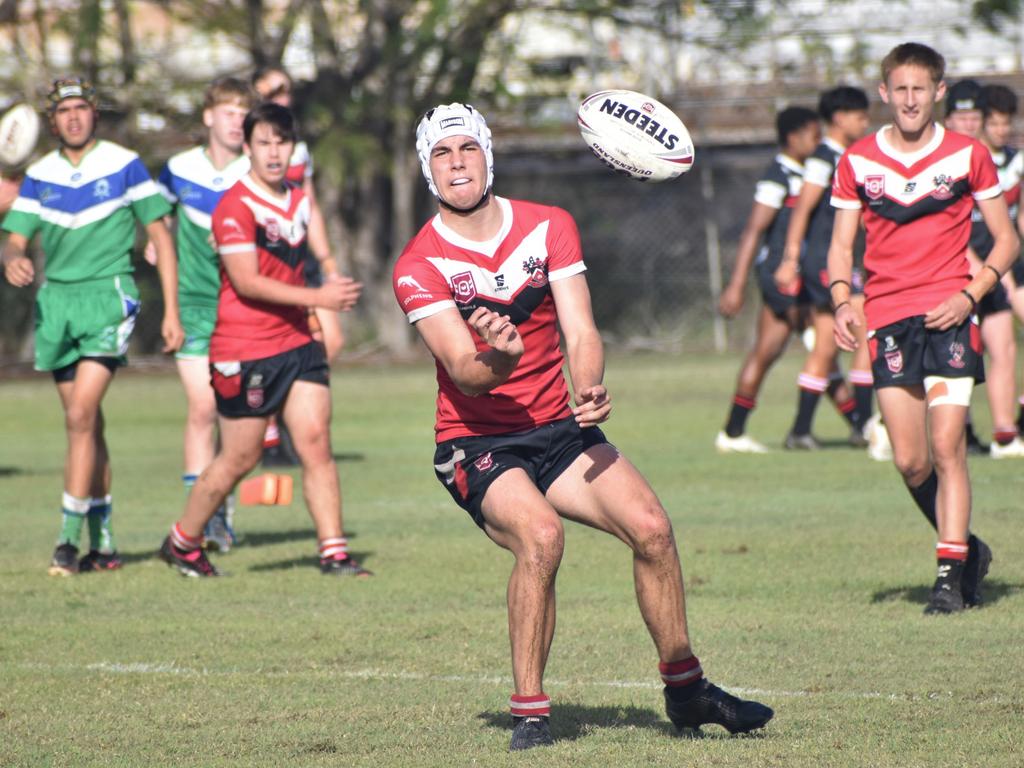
263, 359
488, 282
915, 184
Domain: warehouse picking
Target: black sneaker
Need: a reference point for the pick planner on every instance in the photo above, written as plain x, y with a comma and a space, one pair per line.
710, 704
99, 561
343, 567
530, 732
979, 557
945, 598
65, 560
857, 438
974, 446
795, 442
188, 563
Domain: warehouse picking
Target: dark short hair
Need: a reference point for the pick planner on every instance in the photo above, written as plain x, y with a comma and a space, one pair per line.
914, 53
964, 94
791, 120
998, 98
277, 117
842, 98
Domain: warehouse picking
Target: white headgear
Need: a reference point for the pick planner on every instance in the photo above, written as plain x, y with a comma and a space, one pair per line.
452, 120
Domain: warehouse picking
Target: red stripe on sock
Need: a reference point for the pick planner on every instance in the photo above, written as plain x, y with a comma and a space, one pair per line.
679, 673
744, 402
183, 541
538, 705
847, 406
951, 550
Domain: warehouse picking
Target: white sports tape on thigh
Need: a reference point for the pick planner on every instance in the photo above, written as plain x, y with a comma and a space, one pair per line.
942, 390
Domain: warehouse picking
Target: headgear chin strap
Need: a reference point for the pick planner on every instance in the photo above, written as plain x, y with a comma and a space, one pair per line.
453, 120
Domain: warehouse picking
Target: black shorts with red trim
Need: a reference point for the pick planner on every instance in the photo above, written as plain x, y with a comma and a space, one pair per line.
905, 352
814, 271
260, 387
774, 298
995, 301
467, 466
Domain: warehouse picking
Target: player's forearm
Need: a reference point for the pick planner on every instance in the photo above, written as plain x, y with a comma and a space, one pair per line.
167, 268
479, 373
586, 361
797, 229
745, 253
12, 250
262, 288
998, 263
840, 272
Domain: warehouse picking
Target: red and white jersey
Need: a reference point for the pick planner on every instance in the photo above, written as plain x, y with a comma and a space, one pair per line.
510, 274
300, 164
248, 218
917, 214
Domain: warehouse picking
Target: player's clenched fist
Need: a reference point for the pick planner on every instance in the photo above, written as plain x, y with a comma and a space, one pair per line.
338, 293
19, 271
497, 331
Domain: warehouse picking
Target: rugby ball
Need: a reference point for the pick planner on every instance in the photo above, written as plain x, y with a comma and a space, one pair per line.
19, 132
635, 135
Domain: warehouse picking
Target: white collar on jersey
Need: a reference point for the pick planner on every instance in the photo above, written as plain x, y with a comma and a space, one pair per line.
834, 145
283, 202
908, 158
487, 247
787, 161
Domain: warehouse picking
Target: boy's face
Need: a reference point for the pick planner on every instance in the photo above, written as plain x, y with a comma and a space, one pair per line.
269, 154
225, 123
911, 95
997, 129
965, 121
852, 123
801, 143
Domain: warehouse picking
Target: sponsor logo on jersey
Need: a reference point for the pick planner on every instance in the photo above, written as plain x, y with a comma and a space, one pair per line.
76, 175
641, 121
499, 282
463, 287
943, 187
218, 180
48, 194
408, 281
890, 343
254, 391
909, 189
101, 189
232, 228
874, 186
956, 355
188, 192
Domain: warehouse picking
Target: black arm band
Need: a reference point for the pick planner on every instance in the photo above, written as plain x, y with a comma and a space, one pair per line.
837, 306
834, 283
994, 270
974, 303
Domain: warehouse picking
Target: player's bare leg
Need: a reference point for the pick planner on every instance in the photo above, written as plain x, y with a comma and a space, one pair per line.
307, 413
814, 380
905, 413
861, 376
604, 490
997, 333
949, 453
518, 518
201, 418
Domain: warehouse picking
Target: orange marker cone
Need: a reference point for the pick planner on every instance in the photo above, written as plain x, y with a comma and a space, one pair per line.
266, 489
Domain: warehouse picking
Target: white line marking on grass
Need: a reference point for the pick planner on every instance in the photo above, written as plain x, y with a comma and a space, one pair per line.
172, 668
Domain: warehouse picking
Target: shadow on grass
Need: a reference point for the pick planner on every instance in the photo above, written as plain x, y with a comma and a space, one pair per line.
263, 538
309, 561
573, 721
349, 456
992, 590
25, 471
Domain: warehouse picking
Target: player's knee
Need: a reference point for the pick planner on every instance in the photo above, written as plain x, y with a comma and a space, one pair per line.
543, 548
79, 419
651, 531
915, 469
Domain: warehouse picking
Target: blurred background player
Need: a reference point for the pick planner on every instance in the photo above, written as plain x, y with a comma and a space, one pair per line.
263, 359
275, 85
799, 133
510, 450
194, 181
805, 257
964, 115
84, 199
915, 185
998, 107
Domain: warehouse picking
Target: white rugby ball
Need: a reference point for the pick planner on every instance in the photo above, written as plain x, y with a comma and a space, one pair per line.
19, 132
636, 135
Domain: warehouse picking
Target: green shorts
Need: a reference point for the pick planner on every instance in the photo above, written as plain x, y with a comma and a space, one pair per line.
93, 318
198, 322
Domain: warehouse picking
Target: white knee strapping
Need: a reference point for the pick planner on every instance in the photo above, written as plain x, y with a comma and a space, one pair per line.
942, 390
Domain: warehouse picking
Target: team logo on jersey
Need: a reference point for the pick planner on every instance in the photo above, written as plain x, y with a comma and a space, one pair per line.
894, 361
484, 463
534, 267
48, 194
273, 230
463, 287
101, 189
956, 355
76, 175
874, 186
408, 281
943, 187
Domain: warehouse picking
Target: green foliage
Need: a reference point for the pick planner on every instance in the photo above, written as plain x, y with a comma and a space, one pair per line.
996, 14
806, 575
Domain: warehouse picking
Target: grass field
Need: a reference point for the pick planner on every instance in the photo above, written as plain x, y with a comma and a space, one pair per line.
806, 576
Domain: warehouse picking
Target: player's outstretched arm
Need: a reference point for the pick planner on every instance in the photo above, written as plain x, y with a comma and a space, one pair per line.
840, 274
796, 232
584, 349
18, 268
167, 267
761, 217
450, 339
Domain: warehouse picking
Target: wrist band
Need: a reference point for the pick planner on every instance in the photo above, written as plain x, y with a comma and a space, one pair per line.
974, 304
837, 306
994, 270
834, 283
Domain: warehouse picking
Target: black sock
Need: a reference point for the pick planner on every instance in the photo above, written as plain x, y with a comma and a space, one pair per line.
924, 496
741, 408
806, 405
862, 396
